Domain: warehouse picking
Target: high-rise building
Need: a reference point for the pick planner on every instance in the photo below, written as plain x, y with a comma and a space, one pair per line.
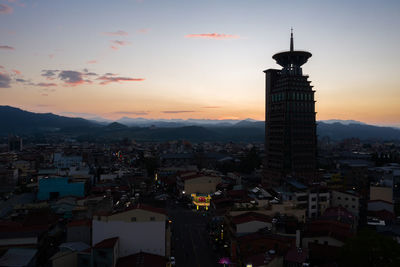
290, 128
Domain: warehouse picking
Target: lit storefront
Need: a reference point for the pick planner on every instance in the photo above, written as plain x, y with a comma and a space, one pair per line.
201, 201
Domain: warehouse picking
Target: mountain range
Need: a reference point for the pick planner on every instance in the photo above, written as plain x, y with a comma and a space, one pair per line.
16, 121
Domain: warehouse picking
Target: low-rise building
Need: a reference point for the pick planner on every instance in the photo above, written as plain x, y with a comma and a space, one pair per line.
55, 187
139, 228
347, 199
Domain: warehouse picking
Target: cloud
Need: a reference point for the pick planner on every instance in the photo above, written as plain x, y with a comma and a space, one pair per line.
218, 36
87, 73
4, 80
92, 61
106, 79
21, 80
116, 44
49, 74
46, 84
51, 56
121, 43
5, 9
132, 112
144, 30
117, 33
16, 72
71, 77
177, 111
7, 47
1, 67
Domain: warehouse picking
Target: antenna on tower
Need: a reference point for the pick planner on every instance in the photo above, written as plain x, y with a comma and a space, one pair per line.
291, 40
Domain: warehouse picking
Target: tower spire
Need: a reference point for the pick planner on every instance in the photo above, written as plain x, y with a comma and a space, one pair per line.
291, 40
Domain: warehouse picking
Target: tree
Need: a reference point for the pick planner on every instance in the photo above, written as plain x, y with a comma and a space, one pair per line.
368, 248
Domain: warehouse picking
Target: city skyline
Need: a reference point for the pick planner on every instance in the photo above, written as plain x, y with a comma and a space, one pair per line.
184, 59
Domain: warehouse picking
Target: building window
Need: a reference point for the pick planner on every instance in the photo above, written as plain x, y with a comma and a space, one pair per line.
339, 198
313, 199
353, 199
152, 218
133, 219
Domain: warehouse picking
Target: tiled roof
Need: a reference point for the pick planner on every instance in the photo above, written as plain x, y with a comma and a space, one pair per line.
80, 223
297, 255
249, 217
142, 259
107, 243
340, 231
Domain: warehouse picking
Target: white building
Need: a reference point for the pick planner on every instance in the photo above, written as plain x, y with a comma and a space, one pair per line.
349, 200
141, 228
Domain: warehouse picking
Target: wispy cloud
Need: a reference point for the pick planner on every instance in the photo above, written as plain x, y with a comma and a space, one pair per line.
121, 43
21, 80
5, 80
144, 30
211, 107
138, 113
16, 72
218, 36
116, 44
7, 47
177, 111
5, 9
116, 33
46, 84
51, 56
92, 61
106, 79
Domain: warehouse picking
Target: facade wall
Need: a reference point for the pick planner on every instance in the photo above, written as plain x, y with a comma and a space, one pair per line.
381, 193
317, 204
79, 233
103, 257
202, 185
349, 201
133, 236
135, 215
251, 227
60, 185
69, 260
321, 240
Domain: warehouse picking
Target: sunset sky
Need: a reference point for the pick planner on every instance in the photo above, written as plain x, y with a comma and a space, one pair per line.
196, 58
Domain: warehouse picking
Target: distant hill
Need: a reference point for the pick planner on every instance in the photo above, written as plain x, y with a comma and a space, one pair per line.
15, 120
338, 131
345, 122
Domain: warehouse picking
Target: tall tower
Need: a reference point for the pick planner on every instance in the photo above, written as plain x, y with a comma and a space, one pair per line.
290, 128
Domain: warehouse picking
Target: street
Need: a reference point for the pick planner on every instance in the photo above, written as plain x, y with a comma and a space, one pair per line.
190, 239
